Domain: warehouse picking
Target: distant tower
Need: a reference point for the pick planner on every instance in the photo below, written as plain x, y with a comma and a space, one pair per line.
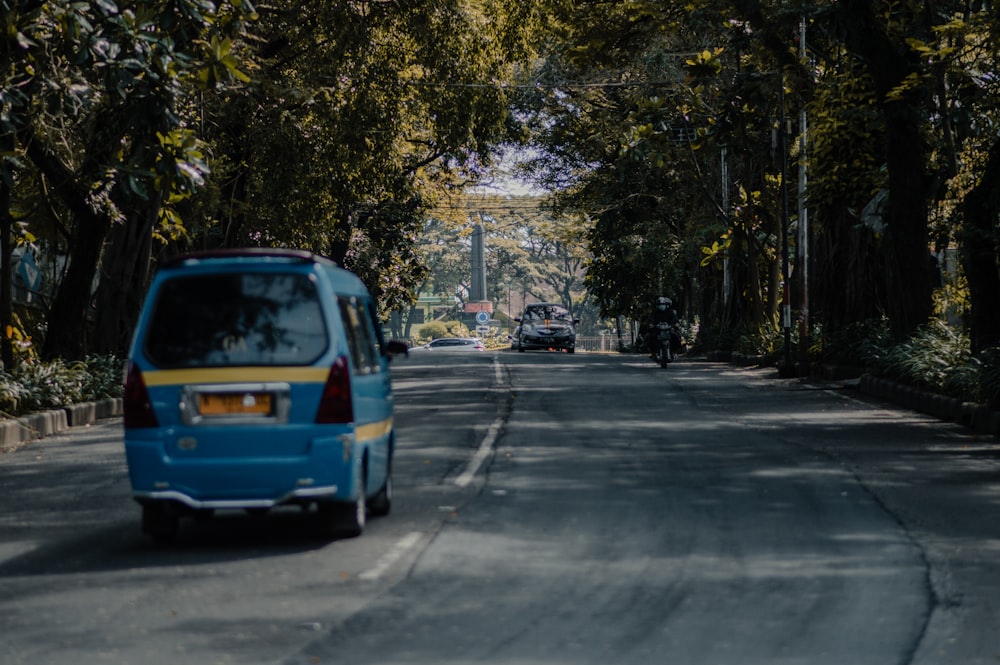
477, 291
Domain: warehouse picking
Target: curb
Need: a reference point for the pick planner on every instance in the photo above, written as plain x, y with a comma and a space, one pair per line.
975, 416
16, 431
978, 417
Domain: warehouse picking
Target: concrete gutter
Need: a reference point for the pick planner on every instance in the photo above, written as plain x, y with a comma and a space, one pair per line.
16, 431
976, 416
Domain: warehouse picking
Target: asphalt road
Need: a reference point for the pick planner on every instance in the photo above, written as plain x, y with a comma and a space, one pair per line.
549, 508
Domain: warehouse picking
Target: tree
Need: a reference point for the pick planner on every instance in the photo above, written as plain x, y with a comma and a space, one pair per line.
901, 98
631, 128
980, 241
93, 93
362, 117
964, 53
896, 113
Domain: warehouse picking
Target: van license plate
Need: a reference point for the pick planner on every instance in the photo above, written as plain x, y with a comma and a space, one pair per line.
227, 404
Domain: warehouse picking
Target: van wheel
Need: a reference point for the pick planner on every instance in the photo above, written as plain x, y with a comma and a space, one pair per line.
344, 519
160, 523
352, 517
381, 503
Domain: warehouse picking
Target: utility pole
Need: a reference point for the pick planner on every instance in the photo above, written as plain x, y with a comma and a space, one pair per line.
803, 258
786, 369
726, 279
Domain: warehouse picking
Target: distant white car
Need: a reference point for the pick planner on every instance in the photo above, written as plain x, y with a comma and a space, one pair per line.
452, 344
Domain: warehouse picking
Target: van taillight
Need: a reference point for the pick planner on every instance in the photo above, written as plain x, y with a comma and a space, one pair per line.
136, 406
335, 405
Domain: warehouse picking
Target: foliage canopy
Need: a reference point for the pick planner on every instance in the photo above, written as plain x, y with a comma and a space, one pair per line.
670, 134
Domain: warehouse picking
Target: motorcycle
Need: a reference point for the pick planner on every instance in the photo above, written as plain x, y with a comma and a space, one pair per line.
667, 338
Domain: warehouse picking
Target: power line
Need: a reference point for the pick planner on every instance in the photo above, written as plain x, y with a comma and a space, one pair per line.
537, 85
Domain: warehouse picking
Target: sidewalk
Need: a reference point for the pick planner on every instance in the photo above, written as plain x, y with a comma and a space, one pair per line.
975, 416
15, 432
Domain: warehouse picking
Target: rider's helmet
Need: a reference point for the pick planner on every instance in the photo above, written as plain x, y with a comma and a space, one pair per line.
663, 303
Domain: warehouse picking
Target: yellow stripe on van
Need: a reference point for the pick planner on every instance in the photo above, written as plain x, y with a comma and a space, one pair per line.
171, 377
373, 430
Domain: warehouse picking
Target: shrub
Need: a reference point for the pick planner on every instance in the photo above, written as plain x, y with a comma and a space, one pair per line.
105, 377
35, 385
49, 384
931, 357
760, 340
863, 343
432, 330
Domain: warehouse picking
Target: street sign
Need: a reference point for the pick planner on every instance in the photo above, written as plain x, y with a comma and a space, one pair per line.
30, 273
482, 317
482, 330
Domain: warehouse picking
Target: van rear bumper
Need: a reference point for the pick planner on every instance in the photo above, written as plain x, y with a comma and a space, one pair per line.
295, 496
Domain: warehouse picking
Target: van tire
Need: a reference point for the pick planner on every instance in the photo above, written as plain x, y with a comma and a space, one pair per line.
344, 519
381, 503
352, 517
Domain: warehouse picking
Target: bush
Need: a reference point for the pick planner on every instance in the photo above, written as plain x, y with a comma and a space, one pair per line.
35, 385
432, 330
105, 377
935, 356
863, 343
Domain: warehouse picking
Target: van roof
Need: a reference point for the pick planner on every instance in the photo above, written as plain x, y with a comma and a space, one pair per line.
290, 255
343, 281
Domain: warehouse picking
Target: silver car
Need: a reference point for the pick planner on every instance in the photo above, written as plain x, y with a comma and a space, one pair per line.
547, 326
453, 344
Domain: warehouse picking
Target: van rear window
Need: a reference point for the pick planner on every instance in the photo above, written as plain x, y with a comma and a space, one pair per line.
229, 319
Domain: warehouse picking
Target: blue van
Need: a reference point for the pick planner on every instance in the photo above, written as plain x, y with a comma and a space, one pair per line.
259, 378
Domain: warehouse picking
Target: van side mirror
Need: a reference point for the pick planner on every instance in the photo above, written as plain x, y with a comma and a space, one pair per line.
395, 348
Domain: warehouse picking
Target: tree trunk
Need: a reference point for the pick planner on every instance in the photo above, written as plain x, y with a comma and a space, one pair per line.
124, 277
68, 315
908, 253
979, 241
6, 316
849, 285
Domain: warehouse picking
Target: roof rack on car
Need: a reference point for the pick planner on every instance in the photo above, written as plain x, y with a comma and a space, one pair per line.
300, 255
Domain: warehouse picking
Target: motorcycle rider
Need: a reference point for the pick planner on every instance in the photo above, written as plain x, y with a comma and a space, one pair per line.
664, 312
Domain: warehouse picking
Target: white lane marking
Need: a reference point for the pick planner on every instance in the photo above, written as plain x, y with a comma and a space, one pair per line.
486, 445
485, 448
392, 556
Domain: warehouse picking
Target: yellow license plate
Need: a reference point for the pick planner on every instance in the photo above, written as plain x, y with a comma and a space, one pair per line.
228, 404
